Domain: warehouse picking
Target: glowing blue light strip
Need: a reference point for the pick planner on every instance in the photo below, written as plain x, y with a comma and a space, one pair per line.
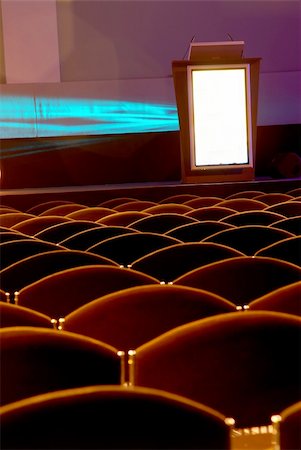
43, 116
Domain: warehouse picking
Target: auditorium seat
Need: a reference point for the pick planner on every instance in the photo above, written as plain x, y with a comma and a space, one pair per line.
10, 219
242, 204
288, 209
113, 417
196, 231
130, 317
12, 236
242, 279
243, 364
90, 213
6, 230
161, 223
57, 294
169, 208
291, 224
126, 248
36, 224
286, 299
171, 262
271, 198
294, 192
210, 213
248, 239
123, 218
61, 231
8, 209
34, 267
16, 316
13, 251
62, 210
43, 206
87, 238
37, 360
288, 249
201, 202
244, 194
112, 202
138, 205
287, 427
178, 198
260, 217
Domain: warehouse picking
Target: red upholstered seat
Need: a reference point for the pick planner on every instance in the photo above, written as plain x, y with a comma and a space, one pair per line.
242, 279
170, 262
288, 209
61, 231
37, 360
161, 222
128, 247
244, 364
112, 417
242, 204
13, 251
14, 315
248, 239
36, 224
288, 249
130, 317
286, 299
57, 294
43, 206
87, 238
34, 267
196, 231
291, 224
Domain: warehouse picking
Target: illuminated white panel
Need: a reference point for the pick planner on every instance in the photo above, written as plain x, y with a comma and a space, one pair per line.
219, 115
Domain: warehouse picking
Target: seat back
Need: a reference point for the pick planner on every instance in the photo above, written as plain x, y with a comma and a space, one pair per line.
286, 299
169, 263
111, 417
34, 267
61, 231
14, 315
195, 232
57, 294
248, 239
126, 248
288, 249
87, 238
244, 364
242, 279
128, 318
38, 360
161, 222
13, 251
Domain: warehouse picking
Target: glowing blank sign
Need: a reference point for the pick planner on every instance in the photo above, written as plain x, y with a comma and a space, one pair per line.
219, 117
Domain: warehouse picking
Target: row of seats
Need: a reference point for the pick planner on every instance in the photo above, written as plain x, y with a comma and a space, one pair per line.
129, 317
176, 303
212, 362
232, 279
119, 418
125, 246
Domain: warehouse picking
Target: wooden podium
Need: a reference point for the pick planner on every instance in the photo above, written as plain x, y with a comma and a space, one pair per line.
191, 172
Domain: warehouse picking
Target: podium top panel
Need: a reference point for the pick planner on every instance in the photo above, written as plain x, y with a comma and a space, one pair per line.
216, 51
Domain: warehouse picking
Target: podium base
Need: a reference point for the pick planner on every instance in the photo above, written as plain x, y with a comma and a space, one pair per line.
217, 176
